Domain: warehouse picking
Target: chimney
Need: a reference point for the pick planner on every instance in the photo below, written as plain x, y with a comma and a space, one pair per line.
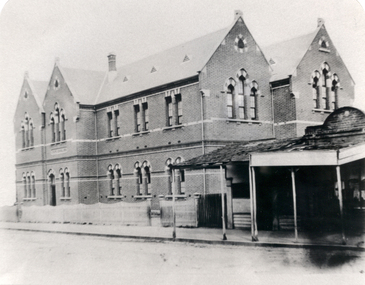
237, 14
320, 22
112, 66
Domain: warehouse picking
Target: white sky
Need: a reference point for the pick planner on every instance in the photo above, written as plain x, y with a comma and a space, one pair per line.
82, 32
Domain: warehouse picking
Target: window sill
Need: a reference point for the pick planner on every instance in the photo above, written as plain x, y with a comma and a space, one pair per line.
29, 199
322, 111
115, 197
240, 121
58, 143
65, 198
180, 196
149, 196
140, 133
110, 139
324, 49
27, 148
172, 128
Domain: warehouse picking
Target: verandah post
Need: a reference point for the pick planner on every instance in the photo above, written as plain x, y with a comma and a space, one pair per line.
294, 203
254, 205
223, 205
173, 205
251, 204
339, 185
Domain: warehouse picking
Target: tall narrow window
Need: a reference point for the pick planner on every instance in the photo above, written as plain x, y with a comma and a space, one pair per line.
325, 86
253, 100
179, 108
316, 93
168, 111
146, 182
25, 185
180, 179
33, 185
22, 129
29, 193
110, 123
334, 89
62, 180
241, 98
137, 118
31, 136
57, 122
67, 183
110, 175
116, 126
168, 171
117, 177
230, 91
145, 116
26, 125
138, 177
62, 125
52, 124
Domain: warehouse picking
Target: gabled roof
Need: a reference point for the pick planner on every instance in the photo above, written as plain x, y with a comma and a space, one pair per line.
83, 84
174, 64
288, 54
39, 89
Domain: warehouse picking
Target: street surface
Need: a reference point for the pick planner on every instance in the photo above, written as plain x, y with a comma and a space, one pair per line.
48, 258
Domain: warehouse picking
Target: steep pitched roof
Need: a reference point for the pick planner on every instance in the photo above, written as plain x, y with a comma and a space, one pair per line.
39, 89
288, 54
83, 84
172, 65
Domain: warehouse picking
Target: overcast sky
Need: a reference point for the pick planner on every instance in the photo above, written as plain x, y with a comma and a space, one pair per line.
82, 32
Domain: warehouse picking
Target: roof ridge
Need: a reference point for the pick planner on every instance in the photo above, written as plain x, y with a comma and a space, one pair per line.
291, 39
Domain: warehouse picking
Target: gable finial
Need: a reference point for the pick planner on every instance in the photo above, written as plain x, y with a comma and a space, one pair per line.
57, 61
26, 75
320, 22
237, 14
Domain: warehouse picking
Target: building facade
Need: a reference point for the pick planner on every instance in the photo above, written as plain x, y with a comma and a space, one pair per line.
88, 137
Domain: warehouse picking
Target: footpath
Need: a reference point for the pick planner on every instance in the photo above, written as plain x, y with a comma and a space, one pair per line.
200, 235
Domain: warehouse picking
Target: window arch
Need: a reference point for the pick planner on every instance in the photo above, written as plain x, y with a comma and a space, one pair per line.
117, 178
230, 90
26, 128
168, 172
62, 181
31, 136
253, 100
52, 187
138, 177
110, 175
57, 122
29, 193
33, 191
326, 85
146, 177
24, 184
243, 83
240, 44
334, 88
67, 183
316, 89
180, 178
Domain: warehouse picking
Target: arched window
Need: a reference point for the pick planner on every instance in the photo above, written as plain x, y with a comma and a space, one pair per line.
168, 172
229, 86
29, 192
22, 129
52, 124
67, 183
326, 85
334, 89
25, 185
146, 177
316, 93
26, 126
57, 121
52, 188
243, 83
62, 124
180, 178
62, 181
110, 174
31, 137
138, 177
117, 177
253, 100
32, 174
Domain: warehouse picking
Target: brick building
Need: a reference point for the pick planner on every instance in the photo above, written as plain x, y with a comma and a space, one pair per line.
87, 136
